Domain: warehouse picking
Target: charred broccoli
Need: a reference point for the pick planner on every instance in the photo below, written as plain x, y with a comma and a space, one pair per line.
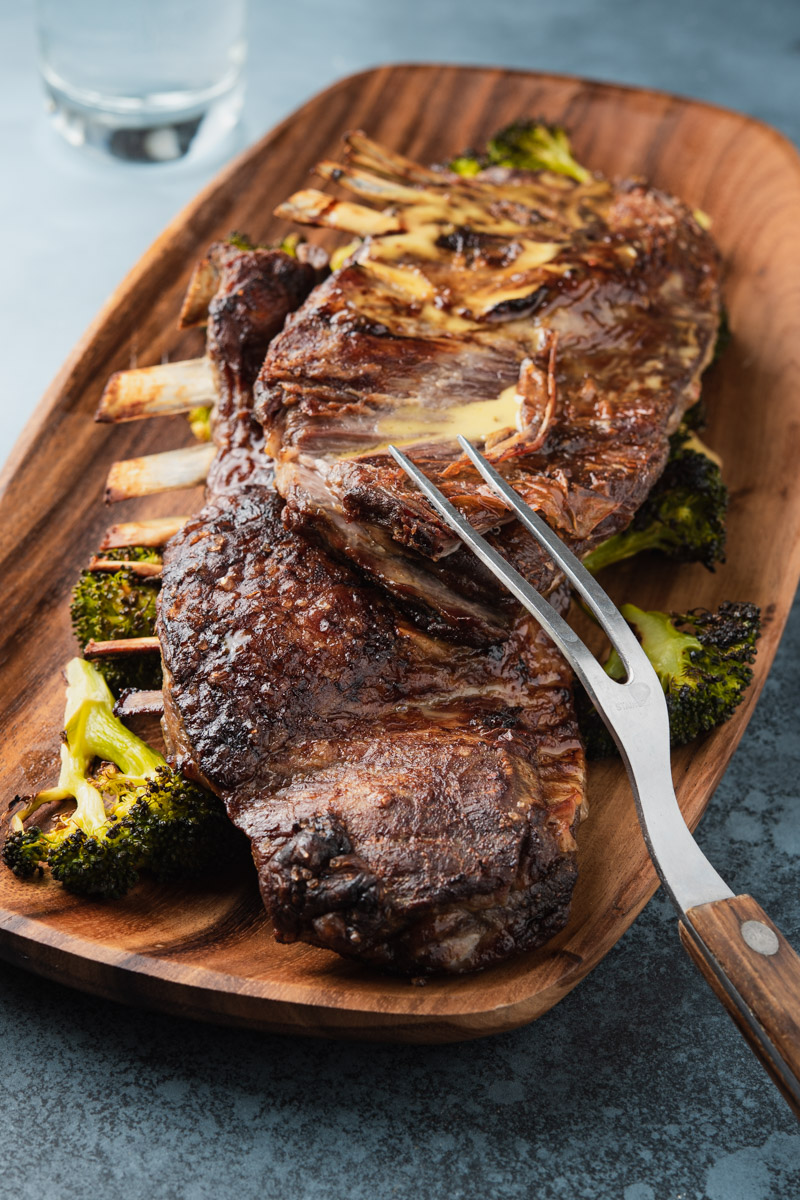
240, 241
702, 660
134, 813
535, 146
107, 605
682, 517
288, 245
724, 336
200, 422
133, 554
469, 163
528, 146
341, 254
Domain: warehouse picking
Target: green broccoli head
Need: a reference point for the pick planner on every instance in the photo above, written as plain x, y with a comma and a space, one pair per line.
107, 605
702, 660
133, 554
683, 516
184, 825
724, 336
113, 604
200, 422
527, 146
535, 146
132, 814
468, 164
105, 864
25, 850
240, 241
288, 245
140, 672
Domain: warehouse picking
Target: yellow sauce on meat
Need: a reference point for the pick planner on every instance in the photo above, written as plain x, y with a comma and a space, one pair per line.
412, 423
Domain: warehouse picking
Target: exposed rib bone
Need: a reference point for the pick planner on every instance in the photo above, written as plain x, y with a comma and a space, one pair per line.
122, 647
373, 187
154, 473
155, 532
363, 152
135, 704
199, 294
312, 207
156, 391
146, 570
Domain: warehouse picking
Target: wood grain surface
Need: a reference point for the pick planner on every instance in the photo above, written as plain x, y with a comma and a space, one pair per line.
207, 951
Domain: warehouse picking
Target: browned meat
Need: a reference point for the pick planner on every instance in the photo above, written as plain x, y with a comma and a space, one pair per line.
562, 326
251, 294
410, 802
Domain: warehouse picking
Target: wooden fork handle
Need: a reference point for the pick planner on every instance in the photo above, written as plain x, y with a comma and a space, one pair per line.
756, 974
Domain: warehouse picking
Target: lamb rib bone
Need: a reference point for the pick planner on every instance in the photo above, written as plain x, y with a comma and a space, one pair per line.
145, 570
168, 388
121, 647
154, 532
139, 703
154, 473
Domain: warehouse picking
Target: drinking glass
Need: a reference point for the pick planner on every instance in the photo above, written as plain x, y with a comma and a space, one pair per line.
143, 80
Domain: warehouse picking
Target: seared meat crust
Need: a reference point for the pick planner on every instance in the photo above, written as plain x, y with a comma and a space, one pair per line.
409, 802
563, 325
255, 290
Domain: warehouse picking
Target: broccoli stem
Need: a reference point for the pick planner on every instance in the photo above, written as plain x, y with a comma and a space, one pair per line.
93, 730
621, 546
667, 647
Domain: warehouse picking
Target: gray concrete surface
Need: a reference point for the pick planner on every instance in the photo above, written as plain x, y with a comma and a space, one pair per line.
636, 1087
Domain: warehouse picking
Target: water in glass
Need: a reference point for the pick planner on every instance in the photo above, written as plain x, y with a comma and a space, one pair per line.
142, 79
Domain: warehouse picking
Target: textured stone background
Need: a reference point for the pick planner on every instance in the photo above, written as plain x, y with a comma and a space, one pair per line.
636, 1087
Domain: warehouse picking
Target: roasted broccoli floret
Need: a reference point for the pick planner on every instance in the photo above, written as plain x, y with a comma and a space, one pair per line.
134, 813
535, 146
341, 254
113, 604
200, 422
682, 517
724, 336
288, 244
133, 554
240, 241
469, 163
528, 146
702, 660
107, 605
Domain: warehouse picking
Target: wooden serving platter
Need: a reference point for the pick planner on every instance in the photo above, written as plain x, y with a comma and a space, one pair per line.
207, 951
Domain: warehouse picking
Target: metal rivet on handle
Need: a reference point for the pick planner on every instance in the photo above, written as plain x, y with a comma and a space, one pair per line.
760, 937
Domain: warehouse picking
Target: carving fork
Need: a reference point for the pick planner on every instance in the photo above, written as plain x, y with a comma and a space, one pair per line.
746, 960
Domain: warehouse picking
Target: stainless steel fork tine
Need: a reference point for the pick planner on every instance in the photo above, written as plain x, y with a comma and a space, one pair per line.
608, 615
599, 686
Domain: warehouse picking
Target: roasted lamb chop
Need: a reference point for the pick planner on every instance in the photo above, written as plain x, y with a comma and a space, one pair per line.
398, 744
410, 802
561, 325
